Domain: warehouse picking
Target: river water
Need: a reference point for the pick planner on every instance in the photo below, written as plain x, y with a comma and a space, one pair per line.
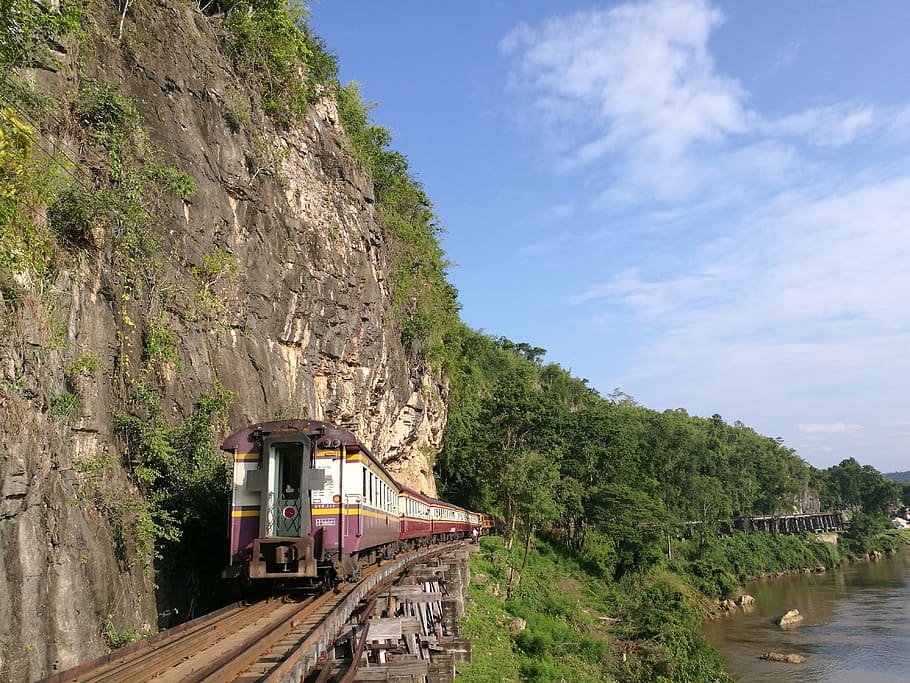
855, 628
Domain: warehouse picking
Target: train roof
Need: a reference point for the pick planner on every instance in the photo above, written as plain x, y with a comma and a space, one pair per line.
418, 495
249, 439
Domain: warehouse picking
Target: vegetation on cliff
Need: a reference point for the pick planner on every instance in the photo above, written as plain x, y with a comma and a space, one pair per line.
270, 43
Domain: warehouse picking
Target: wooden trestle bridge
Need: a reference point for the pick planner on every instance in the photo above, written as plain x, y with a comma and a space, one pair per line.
818, 522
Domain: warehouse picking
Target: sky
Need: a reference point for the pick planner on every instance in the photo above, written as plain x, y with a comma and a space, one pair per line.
704, 204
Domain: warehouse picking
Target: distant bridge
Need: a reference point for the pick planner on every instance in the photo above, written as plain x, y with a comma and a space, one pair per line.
818, 522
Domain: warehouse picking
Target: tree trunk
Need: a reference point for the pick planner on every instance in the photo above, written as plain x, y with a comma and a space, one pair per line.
524, 561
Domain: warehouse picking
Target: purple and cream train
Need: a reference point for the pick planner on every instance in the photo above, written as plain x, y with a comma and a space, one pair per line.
312, 504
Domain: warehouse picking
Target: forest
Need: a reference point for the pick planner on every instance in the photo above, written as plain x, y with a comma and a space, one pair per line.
543, 449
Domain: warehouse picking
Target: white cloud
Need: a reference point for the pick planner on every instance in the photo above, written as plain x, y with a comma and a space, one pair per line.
636, 85
831, 126
832, 427
833, 262
635, 75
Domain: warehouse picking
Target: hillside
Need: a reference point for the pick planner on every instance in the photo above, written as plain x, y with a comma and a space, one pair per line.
899, 477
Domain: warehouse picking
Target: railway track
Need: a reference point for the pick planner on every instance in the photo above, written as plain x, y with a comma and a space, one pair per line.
272, 640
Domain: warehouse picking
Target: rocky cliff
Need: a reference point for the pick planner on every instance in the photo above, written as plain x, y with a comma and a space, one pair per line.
270, 280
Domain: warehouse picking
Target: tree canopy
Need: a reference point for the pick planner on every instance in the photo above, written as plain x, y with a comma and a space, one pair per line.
540, 448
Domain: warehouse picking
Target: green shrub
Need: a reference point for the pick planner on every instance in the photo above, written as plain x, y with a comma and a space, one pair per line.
116, 639
64, 405
28, 181
29, 28
174, 180
79, 216
271, 46
110, 117
160, 343
86, 365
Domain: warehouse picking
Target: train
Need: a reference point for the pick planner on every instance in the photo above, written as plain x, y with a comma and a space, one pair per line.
311, 506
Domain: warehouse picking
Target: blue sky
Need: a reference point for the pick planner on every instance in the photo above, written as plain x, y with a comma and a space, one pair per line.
704, 204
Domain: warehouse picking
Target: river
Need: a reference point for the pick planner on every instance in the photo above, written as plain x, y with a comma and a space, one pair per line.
855, 628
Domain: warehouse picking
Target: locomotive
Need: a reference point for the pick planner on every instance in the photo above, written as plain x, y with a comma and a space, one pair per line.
311, 505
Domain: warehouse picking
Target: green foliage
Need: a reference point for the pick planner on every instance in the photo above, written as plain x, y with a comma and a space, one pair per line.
238, 107
107, 115
425, 304
174, 180
28, 29
850, 484
719, 566
64, 406
179, 470
271, 46
116, 639
160, 343
860, 538
643, 629
79, 216
129, 516
28, 181
87, 365
662, 617
218, 270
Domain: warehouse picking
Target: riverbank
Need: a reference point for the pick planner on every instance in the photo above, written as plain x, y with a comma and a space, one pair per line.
719, 567
563, 620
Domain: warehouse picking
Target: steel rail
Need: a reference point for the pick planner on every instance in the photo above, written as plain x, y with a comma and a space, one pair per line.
232, 645
305, 657
164, 639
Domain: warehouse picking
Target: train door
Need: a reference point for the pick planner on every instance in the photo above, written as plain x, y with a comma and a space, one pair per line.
289, 492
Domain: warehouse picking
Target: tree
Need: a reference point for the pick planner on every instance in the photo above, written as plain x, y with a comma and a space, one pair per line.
635, 522
528, 494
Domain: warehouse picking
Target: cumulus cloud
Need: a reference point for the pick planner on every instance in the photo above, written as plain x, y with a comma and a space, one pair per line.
635, 74
636, 85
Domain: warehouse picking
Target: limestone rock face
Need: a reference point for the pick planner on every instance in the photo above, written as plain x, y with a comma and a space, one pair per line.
304, 329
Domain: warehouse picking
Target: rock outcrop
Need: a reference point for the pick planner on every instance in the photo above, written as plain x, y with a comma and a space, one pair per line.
788, 657
304, 328
789, 618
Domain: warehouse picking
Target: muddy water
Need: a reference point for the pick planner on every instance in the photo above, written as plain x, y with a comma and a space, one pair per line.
856, 626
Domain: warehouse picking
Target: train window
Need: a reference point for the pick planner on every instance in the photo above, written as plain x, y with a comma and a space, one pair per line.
364, 492
290, 469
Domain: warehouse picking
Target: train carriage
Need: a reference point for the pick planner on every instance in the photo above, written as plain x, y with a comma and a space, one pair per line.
307, 496
449, 521
416, 522
311, 504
